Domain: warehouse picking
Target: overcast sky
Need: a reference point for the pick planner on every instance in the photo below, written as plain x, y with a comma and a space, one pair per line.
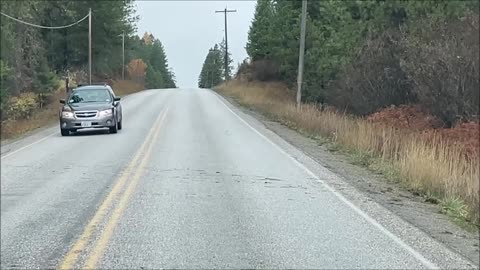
188, 29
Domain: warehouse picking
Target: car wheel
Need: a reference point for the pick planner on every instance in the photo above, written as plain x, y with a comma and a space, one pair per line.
114, 129
65, 132
120, 125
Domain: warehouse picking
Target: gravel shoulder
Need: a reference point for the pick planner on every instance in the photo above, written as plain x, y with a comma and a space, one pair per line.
403, 203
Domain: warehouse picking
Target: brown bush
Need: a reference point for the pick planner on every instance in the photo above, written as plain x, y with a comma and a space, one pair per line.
262, 71
242, 71
464, 136
412, 117
373, 80
136, 70
442, 60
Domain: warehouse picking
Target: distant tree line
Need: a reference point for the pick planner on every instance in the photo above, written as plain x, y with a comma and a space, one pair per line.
34, 60
365, 55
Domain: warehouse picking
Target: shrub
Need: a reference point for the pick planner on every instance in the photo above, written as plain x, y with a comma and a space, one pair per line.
22, 106
373, 80
265, 70
136, 70
441, 58
261, 70
5, 78
242, 70
46, 82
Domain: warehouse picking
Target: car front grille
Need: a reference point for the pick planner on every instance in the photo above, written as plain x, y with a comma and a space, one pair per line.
86, 114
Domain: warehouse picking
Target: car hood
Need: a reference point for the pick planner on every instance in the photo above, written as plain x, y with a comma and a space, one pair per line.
90, 106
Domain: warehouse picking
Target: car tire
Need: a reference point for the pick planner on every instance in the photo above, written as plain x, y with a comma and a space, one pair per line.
65, 132
120, 125
114, 129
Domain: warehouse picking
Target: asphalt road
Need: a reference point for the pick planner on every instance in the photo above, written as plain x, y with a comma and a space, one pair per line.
191, 182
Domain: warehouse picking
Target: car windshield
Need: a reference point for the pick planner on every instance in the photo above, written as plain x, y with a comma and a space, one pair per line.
90, 95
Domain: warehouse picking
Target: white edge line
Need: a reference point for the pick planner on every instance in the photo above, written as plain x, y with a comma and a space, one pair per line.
28, 145
372, 221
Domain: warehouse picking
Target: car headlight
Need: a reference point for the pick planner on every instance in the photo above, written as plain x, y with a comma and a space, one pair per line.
68, 115
104, 113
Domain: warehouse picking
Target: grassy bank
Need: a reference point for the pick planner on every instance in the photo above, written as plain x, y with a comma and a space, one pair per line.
12, 128
426, 165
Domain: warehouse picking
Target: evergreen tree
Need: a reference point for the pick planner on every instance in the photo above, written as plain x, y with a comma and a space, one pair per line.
5, 85
212, 69
158, 73
45, 82
154, 79
228, 74
260, 34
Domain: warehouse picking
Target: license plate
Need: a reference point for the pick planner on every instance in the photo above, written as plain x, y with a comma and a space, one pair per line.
86, 124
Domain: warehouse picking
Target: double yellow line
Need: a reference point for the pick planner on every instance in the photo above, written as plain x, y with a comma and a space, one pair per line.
133, 172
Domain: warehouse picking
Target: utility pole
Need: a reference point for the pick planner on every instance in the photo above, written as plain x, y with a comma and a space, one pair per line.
123, 55
302, 52
90, 45
211, 72
225, 11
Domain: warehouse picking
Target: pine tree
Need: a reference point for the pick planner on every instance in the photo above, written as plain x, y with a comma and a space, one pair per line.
212, 69
5, 84
154, 79
45, 82
158, 72
226, 75
260, 32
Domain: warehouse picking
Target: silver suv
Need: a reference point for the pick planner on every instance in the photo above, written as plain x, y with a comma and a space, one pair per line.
91, 106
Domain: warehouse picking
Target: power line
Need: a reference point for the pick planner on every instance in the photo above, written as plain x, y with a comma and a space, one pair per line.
45, 27
89, 16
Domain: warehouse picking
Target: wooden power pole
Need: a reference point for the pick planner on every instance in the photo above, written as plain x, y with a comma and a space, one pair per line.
90, 46
302, 52
225, 11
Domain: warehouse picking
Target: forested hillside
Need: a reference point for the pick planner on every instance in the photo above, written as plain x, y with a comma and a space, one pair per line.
362, 56
34, 61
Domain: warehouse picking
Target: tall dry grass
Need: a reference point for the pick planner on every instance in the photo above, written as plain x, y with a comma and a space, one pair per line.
125, 87
426, 165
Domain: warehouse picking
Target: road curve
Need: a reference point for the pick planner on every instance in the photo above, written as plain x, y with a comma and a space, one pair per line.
192, 182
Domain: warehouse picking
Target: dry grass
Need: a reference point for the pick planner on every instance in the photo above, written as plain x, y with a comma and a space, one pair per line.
430, 167
48, 115
125, 87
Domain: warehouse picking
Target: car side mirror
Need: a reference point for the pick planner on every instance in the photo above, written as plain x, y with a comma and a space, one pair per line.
62, 101
116, 99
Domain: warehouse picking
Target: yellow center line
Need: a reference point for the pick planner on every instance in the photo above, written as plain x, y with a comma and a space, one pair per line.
99, 248
71, 257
